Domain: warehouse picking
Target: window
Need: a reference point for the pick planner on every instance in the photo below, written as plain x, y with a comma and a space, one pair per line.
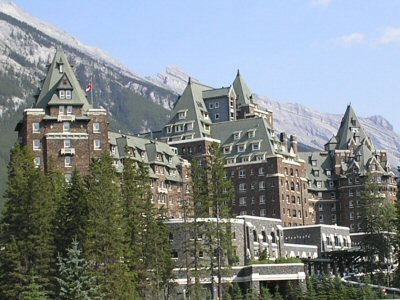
321, 219
331, 185
189, 126
37, 145
61, 94
313, 163
263, 212
333, 207
242, 201
350, 193
68, 94
68, 161
69, 110
261, 185
97, 145
251, 133
243, 212
96, 127
216, 104
227, 149
66, 127
242, 187
60, 68
328, 173
299, 214
169, 129
316, 173
351, 204
240, 148
67, 143
35, 127
319, 184
320, 207
61, 110
210, 105
68, 177
351, 215
261, 171
236, 135
262, 199
182, 115
216, 116
179, 128
37, 161
256, 146
242, 173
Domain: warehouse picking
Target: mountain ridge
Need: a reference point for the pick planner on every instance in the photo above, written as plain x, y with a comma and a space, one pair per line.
135, 103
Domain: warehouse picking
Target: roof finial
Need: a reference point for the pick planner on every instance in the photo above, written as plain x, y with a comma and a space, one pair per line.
238, 72
189, 81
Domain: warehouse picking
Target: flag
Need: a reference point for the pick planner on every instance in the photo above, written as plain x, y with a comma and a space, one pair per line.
89, 86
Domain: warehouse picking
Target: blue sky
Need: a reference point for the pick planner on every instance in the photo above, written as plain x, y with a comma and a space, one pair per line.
320, 53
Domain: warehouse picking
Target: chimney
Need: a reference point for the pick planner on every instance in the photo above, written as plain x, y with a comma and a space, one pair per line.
294, 144
284, 140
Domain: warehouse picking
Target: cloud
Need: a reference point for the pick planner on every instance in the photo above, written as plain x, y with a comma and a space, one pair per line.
350, 39
390, 35
320, 3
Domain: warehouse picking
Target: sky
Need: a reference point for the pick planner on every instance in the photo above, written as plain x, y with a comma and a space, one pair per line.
323, 54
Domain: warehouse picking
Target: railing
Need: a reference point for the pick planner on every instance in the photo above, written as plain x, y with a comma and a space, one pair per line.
68, 151
61, 118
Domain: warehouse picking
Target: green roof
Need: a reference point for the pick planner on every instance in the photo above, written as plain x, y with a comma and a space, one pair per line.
216, 93
244, 95
61, 76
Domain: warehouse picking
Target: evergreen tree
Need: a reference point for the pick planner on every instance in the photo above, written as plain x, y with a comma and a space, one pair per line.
33, 292
74, 280
311, 293
265, 294
26, 227
378, 220
237, 292
72, 215
105, 241
149, 249
277, 294
366, 292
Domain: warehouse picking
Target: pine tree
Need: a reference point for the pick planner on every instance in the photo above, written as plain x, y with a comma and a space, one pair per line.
26, 227
34, 292
265, 294
237, 292
378, 220
366, 292
105, 241
74, 280
72, 215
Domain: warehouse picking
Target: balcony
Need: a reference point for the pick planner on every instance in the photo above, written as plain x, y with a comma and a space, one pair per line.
62, 118
67, 151
163, 190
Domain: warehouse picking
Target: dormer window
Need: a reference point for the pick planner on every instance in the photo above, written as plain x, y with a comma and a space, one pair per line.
179, 128
241, 148
182, 115
159, 156
61, 94
236, 135
256, 146
189, 126
61, 68
227, 149
169, 129
68, 94
251, 134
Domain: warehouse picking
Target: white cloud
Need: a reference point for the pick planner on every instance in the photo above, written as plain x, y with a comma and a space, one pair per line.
350, 39
390, 35
320, 3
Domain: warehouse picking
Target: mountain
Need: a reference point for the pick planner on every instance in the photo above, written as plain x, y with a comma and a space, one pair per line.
313, 128
135, 103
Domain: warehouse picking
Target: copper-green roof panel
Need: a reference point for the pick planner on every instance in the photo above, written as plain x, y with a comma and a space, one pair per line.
61, 76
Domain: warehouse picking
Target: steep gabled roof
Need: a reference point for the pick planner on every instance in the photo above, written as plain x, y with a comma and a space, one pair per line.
61, 78
225, 132
244, 95
192, 105
350, 127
